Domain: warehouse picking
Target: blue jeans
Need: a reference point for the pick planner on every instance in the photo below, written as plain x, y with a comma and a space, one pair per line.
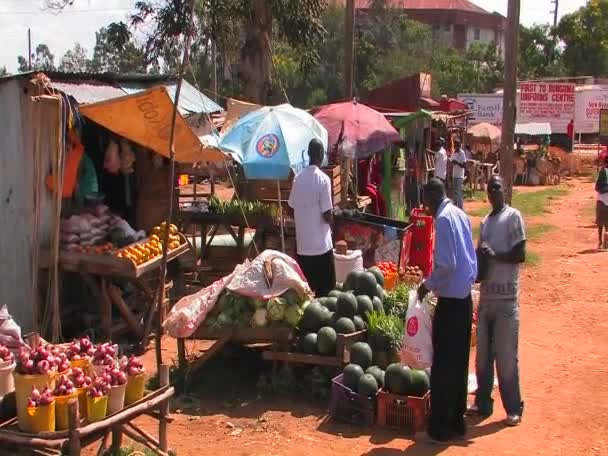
497, 340
458, 192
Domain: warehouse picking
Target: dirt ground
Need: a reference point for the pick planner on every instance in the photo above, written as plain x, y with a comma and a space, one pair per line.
563, 359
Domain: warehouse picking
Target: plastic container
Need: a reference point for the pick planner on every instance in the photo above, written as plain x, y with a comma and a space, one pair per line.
7, 381
23, 389
61, 411
84, 364
116, 400
349, 406
82, 401
97, 369
403, 412
390, 280
97, 408
352, 261
135, 388
39, 419
421, 249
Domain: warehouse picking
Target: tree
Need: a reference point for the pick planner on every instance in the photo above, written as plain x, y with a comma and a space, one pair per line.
75, 60
540, 54
4, 71
42, 60
585, 37
108, 57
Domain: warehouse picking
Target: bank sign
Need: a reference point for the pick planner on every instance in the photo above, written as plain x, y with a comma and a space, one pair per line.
486, 108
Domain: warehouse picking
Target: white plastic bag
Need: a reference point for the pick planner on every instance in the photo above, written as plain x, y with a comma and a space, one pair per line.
417, 347
352, 261
10, 331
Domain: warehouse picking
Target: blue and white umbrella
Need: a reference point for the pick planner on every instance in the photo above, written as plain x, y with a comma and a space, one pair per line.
271, 141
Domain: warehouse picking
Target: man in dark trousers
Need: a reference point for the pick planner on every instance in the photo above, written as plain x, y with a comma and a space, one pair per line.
312, 205
454, 272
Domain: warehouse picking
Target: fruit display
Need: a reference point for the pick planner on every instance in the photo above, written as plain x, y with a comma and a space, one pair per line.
238, 207
64, 387
40, 399
411, 274
42, 360
152, 247
99, 388
6, 356
387, 267
80, 349
105, 355
132, 366
80, 379
115, 376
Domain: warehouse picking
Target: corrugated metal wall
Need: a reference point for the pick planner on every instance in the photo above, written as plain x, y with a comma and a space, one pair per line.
23, 122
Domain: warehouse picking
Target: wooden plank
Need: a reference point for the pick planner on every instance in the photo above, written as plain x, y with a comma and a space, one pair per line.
246, 335
123, 308
215, 348
302, 358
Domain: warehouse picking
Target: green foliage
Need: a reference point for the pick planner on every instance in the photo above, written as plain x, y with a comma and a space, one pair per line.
4, 71
529, 203
540, 53
42, 59
74, 60
384, 330
112, 54
585, 36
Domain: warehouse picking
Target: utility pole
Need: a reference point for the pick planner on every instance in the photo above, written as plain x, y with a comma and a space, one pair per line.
509, 105
29, 49
556, 2
214, 71
349, 45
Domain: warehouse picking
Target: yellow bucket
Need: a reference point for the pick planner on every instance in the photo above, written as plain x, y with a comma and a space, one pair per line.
97, 408
83, 363
135, 388
23, 390
82, 401
61, 411
40, 419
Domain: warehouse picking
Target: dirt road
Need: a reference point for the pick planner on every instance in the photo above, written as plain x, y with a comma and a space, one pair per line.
564, 366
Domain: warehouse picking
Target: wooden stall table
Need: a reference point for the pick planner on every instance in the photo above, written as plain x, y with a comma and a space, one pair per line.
100, 272
81, 433
480, 174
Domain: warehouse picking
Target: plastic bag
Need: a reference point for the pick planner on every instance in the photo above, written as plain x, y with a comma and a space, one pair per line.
417, 347
10, 331
345, 264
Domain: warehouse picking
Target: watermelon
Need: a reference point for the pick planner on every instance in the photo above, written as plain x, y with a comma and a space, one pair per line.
352, 280
367, 385
345, 325
334, 294
377, 303
308, 343
398, 379
326, 341
339, 286
377, 274
351, 375
364, 305
323, 300
314, 317
333, 318
346, 305
380, 293
420, 383
360, 324
361, 354
331, 304
428, 373
366, 284
377, 373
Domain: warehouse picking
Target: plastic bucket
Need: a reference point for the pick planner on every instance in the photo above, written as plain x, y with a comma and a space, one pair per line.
23, 389
39, 419
135, 388
82, 401
84, 364
116, 401
390, 280
7, 381
97, 408
61, 411
98, 369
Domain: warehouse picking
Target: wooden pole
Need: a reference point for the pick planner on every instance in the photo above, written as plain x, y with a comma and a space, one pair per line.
509, 97
29, 49
73, 420
164, 411
281, 217
163, 269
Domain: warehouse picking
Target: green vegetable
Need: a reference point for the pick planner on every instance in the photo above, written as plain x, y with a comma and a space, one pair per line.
293, 314
259, 318
398, 379
276, 308
361, 354
351, 375
367, 385
326, 341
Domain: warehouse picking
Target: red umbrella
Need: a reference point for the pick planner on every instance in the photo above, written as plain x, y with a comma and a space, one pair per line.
353, 124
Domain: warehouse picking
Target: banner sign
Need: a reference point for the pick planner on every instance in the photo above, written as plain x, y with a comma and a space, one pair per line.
486, 108
589, 103
550, 102
604, 123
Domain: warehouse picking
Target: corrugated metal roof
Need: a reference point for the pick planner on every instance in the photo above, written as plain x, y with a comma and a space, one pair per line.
89, 92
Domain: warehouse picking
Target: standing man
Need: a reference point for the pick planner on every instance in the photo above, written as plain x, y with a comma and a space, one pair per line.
570, 131
502, 245
441, 161
454, 272
311, 201
601, 208
459, 163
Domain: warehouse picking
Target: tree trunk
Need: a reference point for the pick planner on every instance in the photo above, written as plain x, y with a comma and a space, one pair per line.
256, 66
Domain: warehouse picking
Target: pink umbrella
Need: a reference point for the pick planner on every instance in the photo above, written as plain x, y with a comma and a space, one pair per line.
359, 129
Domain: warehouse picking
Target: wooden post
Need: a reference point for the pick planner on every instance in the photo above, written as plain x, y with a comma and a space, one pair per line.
116, 439
509, 105
164, 411
181, 353
73, 423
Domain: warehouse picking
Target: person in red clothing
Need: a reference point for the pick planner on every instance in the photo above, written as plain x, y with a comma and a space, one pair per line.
571, 135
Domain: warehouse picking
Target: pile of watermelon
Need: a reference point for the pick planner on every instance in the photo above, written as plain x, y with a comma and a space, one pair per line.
343, 311
396, 379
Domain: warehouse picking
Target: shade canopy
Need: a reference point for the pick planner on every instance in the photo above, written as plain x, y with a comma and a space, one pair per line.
271, 141
485, 130
361, 130
145, 118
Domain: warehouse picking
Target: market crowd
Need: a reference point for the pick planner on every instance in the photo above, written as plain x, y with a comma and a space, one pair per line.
457, 265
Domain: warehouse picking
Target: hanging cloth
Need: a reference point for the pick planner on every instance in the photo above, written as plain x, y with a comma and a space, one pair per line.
71, 167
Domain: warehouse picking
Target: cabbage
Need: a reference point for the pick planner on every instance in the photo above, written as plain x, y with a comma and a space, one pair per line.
276, 308
293, 314
291, 297
259, 303
259, 318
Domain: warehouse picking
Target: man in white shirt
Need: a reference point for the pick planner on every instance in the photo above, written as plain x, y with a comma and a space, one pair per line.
459, 163
441, 161
312, 205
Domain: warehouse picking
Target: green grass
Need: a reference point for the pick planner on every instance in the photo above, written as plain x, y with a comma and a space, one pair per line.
529, 203
532, 258
537, 231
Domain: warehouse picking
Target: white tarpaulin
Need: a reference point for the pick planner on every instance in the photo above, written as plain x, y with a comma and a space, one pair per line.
589, 101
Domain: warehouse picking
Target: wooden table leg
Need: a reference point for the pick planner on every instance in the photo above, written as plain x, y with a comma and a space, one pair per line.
164, 412
73, 422
115, 296
116, 439
106, 310
181, 353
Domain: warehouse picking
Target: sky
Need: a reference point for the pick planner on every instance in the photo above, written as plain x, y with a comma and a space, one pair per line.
79, 23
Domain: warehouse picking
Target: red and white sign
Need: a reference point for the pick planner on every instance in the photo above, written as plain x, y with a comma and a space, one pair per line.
589, 102
551, 102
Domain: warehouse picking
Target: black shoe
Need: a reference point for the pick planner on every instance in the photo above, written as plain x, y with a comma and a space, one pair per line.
475, 410
460, 429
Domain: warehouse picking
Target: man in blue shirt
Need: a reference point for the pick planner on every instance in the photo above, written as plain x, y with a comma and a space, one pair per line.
454, 272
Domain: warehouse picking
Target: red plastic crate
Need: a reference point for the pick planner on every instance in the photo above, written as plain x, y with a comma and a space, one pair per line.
421, 250
349, 406
403, 412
